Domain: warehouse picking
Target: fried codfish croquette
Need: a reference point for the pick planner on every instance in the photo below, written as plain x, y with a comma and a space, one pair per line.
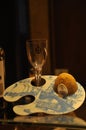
66, 84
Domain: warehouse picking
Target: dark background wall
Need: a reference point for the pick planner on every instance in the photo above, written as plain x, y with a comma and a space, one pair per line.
13, 33
69, 37
67, 28
7, 37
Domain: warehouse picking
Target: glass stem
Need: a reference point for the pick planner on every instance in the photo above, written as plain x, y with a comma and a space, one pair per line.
38, 76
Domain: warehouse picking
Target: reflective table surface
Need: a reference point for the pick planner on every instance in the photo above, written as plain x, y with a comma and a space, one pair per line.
75, 120
72, 120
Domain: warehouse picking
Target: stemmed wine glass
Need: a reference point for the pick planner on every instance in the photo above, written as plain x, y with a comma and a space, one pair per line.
37, 53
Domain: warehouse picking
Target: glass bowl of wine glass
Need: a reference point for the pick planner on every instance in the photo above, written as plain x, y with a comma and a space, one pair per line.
37, 53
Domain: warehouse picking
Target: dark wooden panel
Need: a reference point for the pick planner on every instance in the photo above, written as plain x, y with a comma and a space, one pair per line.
69, 30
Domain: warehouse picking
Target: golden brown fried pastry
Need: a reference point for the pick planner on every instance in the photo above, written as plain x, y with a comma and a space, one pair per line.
65, 84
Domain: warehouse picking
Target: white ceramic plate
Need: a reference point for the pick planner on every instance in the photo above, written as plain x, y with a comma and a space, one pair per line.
46, 99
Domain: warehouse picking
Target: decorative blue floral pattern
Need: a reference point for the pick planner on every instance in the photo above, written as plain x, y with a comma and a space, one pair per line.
46, 99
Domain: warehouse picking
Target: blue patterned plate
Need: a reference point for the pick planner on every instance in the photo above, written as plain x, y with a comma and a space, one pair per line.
46, 100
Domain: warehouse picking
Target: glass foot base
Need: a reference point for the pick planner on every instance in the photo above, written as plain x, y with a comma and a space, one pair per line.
42, 82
